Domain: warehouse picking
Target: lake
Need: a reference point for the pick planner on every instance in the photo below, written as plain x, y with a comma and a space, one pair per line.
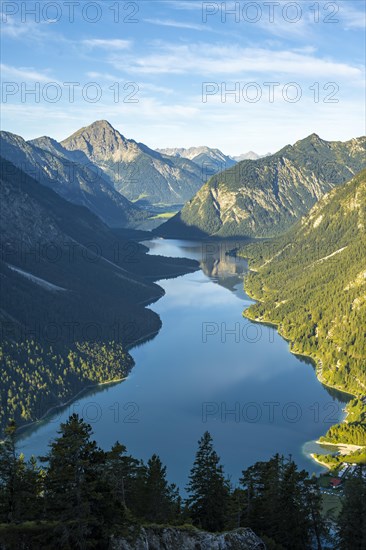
208, 369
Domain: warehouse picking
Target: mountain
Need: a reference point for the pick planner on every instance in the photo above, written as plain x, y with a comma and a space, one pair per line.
139, 173
313, 276
311, 282
55, 167
210, 160
250, 155
263, 198
73, 294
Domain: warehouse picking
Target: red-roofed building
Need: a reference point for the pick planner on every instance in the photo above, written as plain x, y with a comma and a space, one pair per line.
335, 482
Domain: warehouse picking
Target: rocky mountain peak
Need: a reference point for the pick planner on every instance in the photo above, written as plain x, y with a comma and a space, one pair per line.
100, 141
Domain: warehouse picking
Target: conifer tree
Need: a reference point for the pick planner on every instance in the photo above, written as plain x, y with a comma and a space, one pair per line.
73, 489
352, 520
10, 482
157, 492
207, 488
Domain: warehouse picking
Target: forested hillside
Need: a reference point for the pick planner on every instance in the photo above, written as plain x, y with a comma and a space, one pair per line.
312, 284
73, 297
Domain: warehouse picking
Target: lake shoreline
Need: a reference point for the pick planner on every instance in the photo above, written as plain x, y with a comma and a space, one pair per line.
312, 358
183, 269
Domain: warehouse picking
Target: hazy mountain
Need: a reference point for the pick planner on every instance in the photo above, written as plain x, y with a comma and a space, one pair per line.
62, 267
210, 160
55, 167
265, 197
250, 155
137, 172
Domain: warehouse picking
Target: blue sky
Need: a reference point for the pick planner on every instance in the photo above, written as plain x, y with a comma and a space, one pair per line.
158, 71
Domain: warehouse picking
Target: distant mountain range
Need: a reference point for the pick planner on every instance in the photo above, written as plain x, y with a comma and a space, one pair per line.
251, 155
214, 159
141, 174
211, 161
116, 178
263, 198
59, 169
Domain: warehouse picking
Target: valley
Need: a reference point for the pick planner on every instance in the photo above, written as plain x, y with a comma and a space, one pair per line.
183, 275
261, 396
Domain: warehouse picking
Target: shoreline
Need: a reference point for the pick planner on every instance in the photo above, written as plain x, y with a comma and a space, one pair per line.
90, 387
327, 466
315, 361
184, 268
343, 446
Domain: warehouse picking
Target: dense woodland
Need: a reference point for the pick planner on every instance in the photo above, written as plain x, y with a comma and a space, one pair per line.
34, 379
312, 284
79, 495
73, 297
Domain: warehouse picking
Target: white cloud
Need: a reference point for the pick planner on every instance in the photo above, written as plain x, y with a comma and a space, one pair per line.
182, 5
107, 44
352, 17
146, 86
13, 29
103, 76
178, 24
25, 73
207, 59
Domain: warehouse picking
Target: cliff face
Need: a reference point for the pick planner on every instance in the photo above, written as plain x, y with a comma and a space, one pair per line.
169, 538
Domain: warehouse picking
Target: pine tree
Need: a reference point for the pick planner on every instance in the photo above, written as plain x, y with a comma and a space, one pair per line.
159, 501
73, 490
294, 525
282, 503
125, 478
207, 488
261, 484
31, 478
10, 477
120, 472
352, 520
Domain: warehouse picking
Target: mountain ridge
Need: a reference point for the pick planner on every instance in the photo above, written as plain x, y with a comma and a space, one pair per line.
264, 197
56, 168
141, 174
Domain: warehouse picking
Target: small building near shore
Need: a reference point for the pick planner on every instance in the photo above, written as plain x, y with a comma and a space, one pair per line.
335, 482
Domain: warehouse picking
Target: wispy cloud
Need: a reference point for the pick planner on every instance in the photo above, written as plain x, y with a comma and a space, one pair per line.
207, 59
13, 29
146, 86
107, 44
184, 5
352, 17
178, 24
103, 76
24, 73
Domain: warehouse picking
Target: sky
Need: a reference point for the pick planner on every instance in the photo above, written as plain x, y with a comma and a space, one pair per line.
238, 76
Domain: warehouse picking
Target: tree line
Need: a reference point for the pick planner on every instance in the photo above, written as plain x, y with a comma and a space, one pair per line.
78, 496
